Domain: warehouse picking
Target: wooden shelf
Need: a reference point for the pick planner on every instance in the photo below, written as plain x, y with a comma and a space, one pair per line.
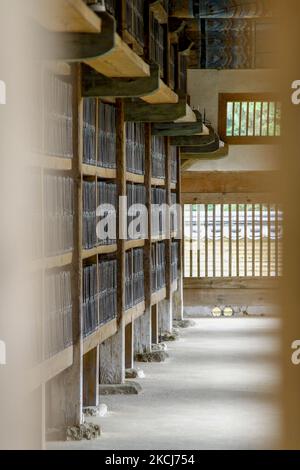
70, 16
159, 238
163, 95
158, 182
91, 170
134, 313
158, 296
133, 178
50, 368
131, 244
101, 334
52, 262
56, 163
121, 61
99, 250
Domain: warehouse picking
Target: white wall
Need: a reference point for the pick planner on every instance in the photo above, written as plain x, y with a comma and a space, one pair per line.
204, 87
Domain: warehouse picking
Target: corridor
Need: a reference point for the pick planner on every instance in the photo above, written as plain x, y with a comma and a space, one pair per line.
216, 391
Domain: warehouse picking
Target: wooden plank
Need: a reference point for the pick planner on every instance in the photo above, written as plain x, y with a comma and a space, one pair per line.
249, 297
99, 336
99, 250
134, 313
58, 261
120, 62
131, 244
70, 16
232, 283
230, 182
104, 173
50, 368
158, 296
158, 182
228, 198
54, 163
133, 178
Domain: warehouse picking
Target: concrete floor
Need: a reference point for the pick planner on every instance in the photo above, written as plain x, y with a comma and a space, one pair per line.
217, 391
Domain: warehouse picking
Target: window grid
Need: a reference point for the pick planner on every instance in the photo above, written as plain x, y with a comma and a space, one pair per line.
249, 119
215, 244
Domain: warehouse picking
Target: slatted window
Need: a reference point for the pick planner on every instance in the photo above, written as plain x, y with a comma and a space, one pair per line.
233, 240
249, 118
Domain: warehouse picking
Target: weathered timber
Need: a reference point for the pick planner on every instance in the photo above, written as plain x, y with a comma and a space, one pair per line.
173, 129
194, 140
143, 112
77, 47
198, 149
97, 85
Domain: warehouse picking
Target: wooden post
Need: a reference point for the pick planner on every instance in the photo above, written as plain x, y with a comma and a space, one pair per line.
112, 351
154, 324
73, 375
91, 378
129, 346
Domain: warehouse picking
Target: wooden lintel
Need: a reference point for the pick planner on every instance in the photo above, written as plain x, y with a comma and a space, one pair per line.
97, 85
140, 111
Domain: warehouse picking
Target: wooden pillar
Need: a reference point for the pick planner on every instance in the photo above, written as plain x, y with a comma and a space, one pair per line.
154, 324
142, 333
129, 359
112, 359
91, 378
73, 375
165, 320
178, 294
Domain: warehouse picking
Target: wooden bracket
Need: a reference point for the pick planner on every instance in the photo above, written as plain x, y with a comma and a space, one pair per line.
96, 84
198, 149
77, 47
194, 140
139, 111
171, 129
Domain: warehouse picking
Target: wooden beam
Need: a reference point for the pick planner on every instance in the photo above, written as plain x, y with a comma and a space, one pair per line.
142, 112
162, 95
70, 16
159, 11
97, 85
229, 182
121, 61
231, 283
